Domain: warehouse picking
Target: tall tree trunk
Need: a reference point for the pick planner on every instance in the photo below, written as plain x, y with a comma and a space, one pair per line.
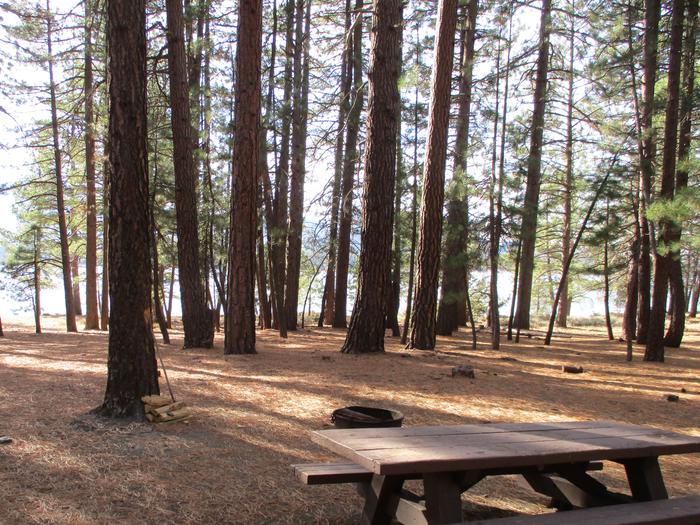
91, 317
131, 364
348, 178
366, 330
497, 215
569, 171
647, 161
629, 317
528, 230
663, 262
240, 307
676, 327
343, 109
394, 293
281, 204
501, 180
58, 168
414, 206
275, 207
493, 319
299, 125
196, 319
428, 266
454, 268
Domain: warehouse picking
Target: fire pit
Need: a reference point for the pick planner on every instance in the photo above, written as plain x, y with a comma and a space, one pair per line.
366, 417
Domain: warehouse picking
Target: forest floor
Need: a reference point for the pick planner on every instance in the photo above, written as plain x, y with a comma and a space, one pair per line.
230, 462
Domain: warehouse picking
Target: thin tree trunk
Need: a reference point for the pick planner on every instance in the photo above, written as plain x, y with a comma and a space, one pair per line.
261, 274
281, 203
568, 172
674, 335
695, 297
75, 278
343, 108
91, 317
454, 269
131, 364
663, 263
394, 293
606, 273
157, 305
428, 266
348, 178
567, 265
275, 207
104, 307
501, 172
528, 230
516, 270
196, 318
493, 320
171, 290
298, 167
647, 161
414, 207
629, 317
240, 307
37, 283
58, 168
366, 330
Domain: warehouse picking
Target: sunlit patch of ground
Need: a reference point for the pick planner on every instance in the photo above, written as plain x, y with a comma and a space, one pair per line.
230, 462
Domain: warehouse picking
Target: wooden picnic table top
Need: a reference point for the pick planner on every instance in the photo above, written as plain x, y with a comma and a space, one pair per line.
427, 449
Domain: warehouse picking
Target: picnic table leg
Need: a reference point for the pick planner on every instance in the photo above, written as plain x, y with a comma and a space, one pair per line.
645, 479
378, 493
443, 500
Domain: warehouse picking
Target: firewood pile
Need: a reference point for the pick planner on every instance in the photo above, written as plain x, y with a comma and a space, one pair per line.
163, 409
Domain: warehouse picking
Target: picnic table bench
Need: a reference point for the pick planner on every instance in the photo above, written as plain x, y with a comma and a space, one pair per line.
554, 459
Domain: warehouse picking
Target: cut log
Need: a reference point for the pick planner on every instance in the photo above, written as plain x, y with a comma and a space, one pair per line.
156, 401
167, 408
572, 369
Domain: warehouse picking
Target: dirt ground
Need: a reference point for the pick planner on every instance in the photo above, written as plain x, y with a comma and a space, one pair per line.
230, 462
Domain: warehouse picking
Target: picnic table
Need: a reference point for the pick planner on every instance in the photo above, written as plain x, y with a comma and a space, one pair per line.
554, 458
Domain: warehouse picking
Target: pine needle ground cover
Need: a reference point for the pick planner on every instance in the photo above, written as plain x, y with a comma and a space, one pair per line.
229, 462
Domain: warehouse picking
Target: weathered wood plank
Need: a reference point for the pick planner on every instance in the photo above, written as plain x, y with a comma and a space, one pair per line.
326, 473
401, 461
450, 441
516, 448
476, 428
679, 511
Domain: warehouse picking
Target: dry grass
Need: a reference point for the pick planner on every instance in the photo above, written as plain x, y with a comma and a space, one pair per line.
230, 462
